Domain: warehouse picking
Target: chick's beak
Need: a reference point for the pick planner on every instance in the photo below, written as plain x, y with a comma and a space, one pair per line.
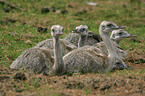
132, 35
75, 31
60, 33
129, 36
118, 27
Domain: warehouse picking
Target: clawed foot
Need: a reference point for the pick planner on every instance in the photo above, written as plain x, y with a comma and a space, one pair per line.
129, 67
120, 66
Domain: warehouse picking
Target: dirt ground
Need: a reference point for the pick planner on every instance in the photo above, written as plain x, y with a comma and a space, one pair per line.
118, 82
76, 85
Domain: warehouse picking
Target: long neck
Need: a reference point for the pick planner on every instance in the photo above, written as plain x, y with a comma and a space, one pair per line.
112, 55
58, 67
116, 41
82, 40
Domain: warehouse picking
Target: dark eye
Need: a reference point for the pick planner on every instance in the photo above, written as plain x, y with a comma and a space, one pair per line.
53, 30
120, 33
109, 25
103, 27
83, 29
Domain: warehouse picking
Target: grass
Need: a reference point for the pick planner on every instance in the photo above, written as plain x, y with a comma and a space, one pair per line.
122, 12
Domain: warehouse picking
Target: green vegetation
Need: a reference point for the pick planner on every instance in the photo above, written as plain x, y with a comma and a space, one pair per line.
13, 35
